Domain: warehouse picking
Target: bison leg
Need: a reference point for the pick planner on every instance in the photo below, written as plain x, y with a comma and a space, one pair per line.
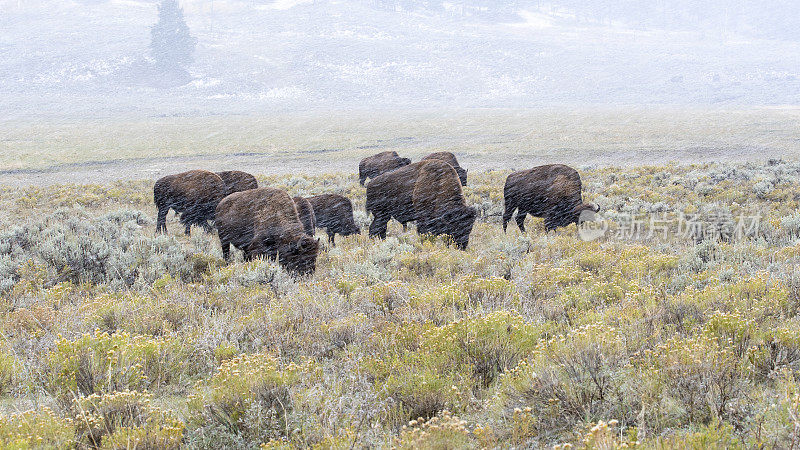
249, 252
378, 227
332, 238
423, 226
259, 247
226, 250
550, 223
509, 212
520, 220
271, 252
252, 252
161, 222
187, 217
207, 227
362, 178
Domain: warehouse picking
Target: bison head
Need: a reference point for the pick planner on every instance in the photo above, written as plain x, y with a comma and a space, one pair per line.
574, 215
460, 222
351, 229
405, 161
299, 256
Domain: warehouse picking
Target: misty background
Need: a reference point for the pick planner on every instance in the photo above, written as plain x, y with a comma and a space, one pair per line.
93, 58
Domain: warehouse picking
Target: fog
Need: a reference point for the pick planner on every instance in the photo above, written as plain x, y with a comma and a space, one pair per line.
93, 58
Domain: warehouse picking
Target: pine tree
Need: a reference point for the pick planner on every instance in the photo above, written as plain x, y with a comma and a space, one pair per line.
172, 46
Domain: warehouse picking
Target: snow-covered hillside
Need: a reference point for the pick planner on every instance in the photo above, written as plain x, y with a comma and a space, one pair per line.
89, 57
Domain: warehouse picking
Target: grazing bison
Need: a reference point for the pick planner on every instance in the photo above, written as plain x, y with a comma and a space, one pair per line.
450, 158
237, 181
372, 166
334, 213
428, 192
439, 205
306, 213
264, 222
390, 196
193, 194
552, 192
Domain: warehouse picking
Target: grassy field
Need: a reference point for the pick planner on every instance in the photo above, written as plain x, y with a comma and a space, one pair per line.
487, 139
113, 337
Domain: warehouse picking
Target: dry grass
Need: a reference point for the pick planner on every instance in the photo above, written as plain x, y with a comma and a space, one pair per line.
522, 340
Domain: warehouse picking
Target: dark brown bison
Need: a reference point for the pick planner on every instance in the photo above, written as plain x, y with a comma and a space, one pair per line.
193, 194
334, 213
552, 192
372, 166
264, 222
450, 158
237, 181
306, 213
439, 205
391, 196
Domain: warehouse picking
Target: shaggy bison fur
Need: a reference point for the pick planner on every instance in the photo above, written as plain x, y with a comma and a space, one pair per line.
193, 194
264, 222
306, 213
552, 192
237, 181
439, 205
334, 213
391, 196
450, 158
375, 165
428, 192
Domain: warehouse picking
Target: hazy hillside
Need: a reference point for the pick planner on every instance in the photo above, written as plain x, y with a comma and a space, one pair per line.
90, 57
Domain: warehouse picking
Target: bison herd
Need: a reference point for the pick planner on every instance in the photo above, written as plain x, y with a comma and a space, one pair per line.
267, 222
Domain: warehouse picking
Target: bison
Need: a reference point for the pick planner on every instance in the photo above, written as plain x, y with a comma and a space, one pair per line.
193, 194
390, 196
334, 213
237, 181
552, 192
450, 158
306, 213
428, 192
372, 166
264, 222
439, 205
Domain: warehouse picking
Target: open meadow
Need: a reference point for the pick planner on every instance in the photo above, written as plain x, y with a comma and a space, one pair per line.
36, 151
112, 335
654, 334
